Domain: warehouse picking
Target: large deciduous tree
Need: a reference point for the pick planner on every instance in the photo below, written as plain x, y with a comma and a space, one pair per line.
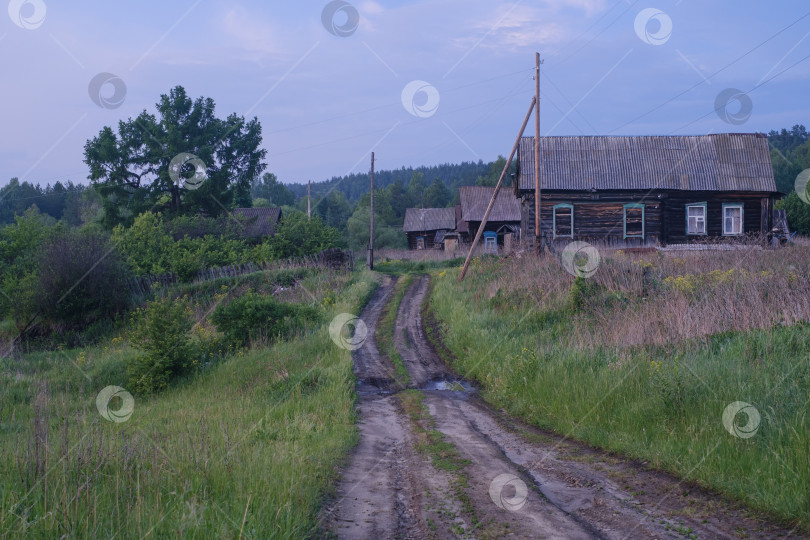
130, 168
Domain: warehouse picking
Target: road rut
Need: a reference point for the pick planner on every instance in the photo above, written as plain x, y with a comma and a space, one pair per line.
518, 481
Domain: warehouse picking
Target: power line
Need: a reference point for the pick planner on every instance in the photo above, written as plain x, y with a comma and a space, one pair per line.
659, 107
763, 83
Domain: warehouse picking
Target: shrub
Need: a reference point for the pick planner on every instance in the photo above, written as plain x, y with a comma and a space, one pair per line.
583, 292
162, 332
81, 279
798, 213
298, 236
253, 317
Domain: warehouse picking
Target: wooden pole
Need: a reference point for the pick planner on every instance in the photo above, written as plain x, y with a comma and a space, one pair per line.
497, 189
537, 230
309, 200
371, 220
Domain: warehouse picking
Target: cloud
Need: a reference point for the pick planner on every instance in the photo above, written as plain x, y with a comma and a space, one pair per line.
250, 32
371, 8
512, 27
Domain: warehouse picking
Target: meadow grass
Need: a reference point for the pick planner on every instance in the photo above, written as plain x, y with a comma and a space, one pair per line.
248, 447
545, 348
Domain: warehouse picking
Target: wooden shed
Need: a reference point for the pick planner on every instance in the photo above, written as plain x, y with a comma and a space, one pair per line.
427, 227
505, 218
648, 191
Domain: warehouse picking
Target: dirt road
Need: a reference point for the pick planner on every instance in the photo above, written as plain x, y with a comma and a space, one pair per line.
509, 480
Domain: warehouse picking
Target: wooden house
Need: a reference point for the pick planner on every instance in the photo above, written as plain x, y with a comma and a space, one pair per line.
504, 220
258, 222
427, 227
647, 191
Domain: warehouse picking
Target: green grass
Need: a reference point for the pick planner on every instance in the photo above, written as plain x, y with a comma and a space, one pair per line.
399, 266
663, 405
385, 330
247, 447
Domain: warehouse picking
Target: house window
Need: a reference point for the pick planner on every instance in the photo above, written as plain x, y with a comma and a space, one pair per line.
563, 221
634, 220
696, 219
732, 219
420, 242
490, 242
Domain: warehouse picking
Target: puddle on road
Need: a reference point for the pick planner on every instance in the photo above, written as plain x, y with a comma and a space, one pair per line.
442, 385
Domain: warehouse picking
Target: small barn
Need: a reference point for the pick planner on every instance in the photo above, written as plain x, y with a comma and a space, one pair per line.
504, 220
648, 191
426, 228
258, 222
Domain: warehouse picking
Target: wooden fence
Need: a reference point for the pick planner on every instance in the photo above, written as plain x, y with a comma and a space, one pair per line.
336, 259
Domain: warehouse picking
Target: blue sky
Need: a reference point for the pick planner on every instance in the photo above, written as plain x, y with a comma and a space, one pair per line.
326, 101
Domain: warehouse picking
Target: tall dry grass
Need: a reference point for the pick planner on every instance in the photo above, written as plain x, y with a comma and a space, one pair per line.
663, 298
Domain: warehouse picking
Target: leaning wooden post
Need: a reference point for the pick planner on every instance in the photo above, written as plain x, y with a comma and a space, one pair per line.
497, 189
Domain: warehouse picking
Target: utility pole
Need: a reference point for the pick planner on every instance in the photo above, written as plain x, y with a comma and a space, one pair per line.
371, 220
309, 200
538, 247
497, 189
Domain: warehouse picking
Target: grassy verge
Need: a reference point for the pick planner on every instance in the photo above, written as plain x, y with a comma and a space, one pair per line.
399, 266
247, 447
663, 404
385, 330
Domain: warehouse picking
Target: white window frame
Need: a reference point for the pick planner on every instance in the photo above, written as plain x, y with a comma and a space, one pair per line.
703, 218
730, 206
491, 244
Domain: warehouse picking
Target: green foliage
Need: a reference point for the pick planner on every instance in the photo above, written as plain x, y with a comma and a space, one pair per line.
130, 168
81, 279
161, 331
271, 190
790, 154
298, 236
145, 244
253, 317
60, 201
582, 292
798, 213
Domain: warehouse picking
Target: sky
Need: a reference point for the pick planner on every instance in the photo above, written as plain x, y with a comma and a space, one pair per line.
418, 82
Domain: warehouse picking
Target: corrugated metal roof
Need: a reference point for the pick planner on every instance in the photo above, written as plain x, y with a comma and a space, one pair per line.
258, 221
429, 219
475, 199
720, 162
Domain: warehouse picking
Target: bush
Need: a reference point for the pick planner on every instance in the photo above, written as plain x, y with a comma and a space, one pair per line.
583, 292
798, 213
162, 332
252, 317
81, 279
298, 236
